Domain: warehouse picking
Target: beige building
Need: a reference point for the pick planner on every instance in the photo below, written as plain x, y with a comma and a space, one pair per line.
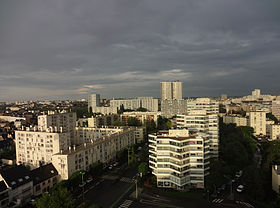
63, 122
273, 131
257, 120
103, 120
201, 121
276, 109
102, 150
88, 134
276, 178
179, 159
35, 147
238, 120
141, 116
171, 90
105, 110
150, 103
170, 108
211, 106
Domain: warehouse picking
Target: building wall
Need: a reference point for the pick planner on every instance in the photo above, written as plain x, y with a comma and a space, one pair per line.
273, 131
200, 121
102, 120
141, 116
93, 101
149, 103
178, 159
66, 121
170, 108
276, 108
257, 120
33, 147
102, 150
171, 90
44, 186
239, 121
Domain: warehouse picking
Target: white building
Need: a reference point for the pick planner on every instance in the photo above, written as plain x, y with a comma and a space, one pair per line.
276, 108
170, 108
171, 90
257, 120
93, 101
200, 121
149, 103
102, 150
179, 159
211, 106
273, 131
63, 122
238, 120
35, 147
256, 94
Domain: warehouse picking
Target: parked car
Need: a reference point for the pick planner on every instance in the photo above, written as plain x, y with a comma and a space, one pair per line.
89, 180
240, 188
110, 167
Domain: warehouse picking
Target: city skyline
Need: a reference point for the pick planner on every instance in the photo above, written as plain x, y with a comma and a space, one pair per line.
67, 49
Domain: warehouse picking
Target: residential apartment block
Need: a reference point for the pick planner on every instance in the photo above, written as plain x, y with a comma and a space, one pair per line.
273, 131
211, 106
179, 158
257, 120
276, 178
276, 108
170, 108
102, 150
35, 147
140, 116
238, 120
200, 121
171, 90
63, 122
150, 103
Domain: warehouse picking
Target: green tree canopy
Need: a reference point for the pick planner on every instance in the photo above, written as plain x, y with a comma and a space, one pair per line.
132, 121
59, 197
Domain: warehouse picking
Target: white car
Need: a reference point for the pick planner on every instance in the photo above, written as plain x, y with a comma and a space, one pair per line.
89, 180
240, 188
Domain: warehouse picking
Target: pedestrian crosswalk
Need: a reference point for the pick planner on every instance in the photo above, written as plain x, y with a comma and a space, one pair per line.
126, 204
217, 201
127, 180
245, 203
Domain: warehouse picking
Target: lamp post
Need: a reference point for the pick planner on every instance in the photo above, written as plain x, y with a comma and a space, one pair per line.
82, 173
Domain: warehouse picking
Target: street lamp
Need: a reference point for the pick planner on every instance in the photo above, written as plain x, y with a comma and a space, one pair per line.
82, 173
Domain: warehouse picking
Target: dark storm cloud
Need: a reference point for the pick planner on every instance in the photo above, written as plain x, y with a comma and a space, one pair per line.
124, 48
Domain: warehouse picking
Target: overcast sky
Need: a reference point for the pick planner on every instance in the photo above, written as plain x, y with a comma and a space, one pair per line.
64, 49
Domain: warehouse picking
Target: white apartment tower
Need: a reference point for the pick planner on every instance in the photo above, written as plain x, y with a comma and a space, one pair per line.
64, 122
200, 121
179, 159
171, 90
93, 101
35, 147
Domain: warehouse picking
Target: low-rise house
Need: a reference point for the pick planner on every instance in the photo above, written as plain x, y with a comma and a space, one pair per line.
19, 182
44, 178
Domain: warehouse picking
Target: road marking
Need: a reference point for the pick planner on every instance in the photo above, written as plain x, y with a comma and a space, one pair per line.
126, 204
117, 201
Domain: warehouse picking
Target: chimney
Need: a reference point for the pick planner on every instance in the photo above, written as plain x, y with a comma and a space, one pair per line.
85, 144
55, 129
74, 147
61, 129
69, 148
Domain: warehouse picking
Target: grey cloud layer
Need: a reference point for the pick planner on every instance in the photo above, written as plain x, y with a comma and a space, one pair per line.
124, 48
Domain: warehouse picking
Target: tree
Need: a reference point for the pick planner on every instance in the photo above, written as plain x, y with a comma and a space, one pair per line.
96, 169
142, 109
272, 117
143, 168
151, 126
118, 123
132, 121
59, 197
163, 123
